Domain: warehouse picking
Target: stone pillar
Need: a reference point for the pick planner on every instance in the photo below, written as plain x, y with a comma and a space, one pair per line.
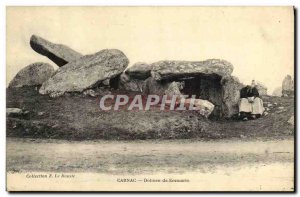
231, 87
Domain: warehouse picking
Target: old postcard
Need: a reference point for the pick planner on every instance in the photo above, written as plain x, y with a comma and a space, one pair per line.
150, 99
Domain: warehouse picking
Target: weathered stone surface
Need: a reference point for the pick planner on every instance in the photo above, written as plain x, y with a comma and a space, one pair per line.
16, 112
10, 111
129, 84
174, 69
291, 120
90, 92
58, 53
105, 82
86, 72
33, 74
288, 83
139, 70
285, 95
231, 87
173, 88
159, 88
288, 86
262, 89
203, 107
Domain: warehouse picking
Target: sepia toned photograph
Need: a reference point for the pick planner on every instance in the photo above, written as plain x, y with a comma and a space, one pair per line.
150, 99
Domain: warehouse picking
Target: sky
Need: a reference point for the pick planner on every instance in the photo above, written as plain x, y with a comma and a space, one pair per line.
258, 41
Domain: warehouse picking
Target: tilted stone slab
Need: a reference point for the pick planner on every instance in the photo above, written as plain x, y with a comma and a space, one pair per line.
86, 72
60, 54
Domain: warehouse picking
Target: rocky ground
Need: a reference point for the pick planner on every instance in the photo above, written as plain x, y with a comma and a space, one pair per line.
78, 117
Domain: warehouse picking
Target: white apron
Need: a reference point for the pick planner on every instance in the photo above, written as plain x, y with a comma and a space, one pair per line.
257, 106
245, 106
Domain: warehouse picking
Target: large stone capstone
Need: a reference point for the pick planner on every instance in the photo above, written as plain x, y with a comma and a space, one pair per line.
33, 74
167, 70
139, 70
86, 72
60, 54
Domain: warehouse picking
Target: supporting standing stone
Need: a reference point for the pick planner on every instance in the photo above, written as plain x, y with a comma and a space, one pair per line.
129, 84
231, 87
159, 88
